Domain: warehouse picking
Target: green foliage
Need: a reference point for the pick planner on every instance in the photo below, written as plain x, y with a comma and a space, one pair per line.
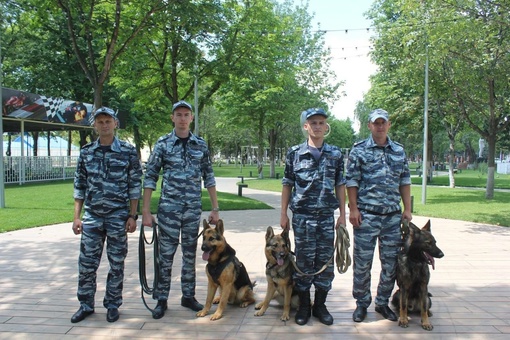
342, 133
465, 45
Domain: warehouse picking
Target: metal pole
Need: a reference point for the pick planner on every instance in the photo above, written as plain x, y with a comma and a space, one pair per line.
425, 130
2, 170
196, 102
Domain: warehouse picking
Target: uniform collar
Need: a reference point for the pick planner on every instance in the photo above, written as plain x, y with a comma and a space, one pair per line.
372, 144
174, 138
115, 146
303, 148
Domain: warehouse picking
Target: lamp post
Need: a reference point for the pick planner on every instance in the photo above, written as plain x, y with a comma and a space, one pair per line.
425, 130
2, 171
196, 100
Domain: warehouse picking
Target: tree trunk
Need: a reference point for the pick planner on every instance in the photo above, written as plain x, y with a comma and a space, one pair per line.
35, 146
489, 190
273, 136
48, 143
451, 157
69, 142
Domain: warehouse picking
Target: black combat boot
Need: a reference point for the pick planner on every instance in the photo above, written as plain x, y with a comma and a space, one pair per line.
319, 309
305, 309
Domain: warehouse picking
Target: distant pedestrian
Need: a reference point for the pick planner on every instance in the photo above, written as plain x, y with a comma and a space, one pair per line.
107, 185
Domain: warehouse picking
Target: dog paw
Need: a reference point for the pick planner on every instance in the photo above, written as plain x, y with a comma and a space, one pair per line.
285, 317
216, 316
427, 326
244, 304
202, 313
216, 300
403, 323
259, 306
259, 313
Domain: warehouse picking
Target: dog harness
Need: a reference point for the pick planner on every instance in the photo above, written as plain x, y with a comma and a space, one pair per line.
240, 273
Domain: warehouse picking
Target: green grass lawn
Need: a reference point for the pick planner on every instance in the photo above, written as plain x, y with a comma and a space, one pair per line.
38, 204
466, 202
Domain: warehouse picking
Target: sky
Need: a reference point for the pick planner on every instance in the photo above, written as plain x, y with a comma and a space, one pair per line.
349, 50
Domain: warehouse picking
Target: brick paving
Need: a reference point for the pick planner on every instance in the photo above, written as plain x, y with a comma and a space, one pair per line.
38, 278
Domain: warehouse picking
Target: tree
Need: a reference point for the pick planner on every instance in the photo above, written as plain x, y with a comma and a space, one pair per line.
469, 68
287, 72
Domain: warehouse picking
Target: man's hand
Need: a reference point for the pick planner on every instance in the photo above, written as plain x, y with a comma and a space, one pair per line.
213, 218
130, 225
147, 219
77, 226
355, 218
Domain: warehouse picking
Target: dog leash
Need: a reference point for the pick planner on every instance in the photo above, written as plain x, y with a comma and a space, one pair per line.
343, 242
341, 253
142, 271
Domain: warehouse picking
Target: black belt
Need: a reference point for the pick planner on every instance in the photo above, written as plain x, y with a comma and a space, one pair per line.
381, 213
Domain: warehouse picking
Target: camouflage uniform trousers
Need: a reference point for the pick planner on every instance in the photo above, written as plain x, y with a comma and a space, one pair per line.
175, 220
386, 229
95, 231
314, 239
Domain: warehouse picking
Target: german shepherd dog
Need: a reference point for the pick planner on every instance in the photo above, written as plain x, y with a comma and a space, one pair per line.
418, 252
224, 270
279, 270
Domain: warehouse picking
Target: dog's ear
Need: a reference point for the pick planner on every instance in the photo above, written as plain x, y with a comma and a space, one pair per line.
285, 236
426, 226
205, 224
219, 227
408, 241
269, 233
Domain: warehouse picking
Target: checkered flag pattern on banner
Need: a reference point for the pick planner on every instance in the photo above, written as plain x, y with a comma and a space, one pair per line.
52, 105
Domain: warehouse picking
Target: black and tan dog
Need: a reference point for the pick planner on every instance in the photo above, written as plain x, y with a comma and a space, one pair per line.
413, 275
279, 270
224, 270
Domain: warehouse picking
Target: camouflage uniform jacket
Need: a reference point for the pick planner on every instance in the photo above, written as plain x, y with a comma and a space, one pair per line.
378, 172
183, 169
106, 181
313, 182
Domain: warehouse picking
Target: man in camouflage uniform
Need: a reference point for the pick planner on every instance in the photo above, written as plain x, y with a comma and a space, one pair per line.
107, 185
314, 186
185, 161
377, 179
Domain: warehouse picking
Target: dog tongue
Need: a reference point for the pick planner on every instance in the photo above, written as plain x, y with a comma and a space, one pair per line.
430, 259
279, 261
205, 255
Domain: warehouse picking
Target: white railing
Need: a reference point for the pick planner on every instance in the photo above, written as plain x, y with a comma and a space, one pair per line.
22, 169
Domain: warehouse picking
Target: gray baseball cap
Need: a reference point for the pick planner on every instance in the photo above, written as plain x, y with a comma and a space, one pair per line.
378, 113
182, 103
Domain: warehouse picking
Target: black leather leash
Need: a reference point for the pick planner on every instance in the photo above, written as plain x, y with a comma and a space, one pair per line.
142, 270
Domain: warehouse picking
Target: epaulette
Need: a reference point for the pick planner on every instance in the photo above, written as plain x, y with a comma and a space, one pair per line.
167, 136
402, 145
295, 147
88, 145
360, 142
